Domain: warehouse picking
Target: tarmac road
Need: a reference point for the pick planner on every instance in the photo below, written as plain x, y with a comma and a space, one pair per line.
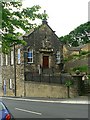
45, 108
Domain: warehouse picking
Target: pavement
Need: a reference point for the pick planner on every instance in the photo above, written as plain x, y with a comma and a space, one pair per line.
76, 100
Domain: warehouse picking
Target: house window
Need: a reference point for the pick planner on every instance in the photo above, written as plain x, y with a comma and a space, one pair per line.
6, 59
12, 57
30, 56
18, 56
58, 57
1, 60
10, 83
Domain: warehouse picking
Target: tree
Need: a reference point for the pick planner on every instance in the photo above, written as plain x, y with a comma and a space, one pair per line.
80, 35
68, 84
14, 18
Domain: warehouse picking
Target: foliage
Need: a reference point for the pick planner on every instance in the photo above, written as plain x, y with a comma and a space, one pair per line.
71, 57
89, 76
66, 59
68, 83
83, 68
14, 18
77, 36
84, 53
77, 72
89, 79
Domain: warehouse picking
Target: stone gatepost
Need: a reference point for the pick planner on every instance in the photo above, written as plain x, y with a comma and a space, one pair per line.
78, 83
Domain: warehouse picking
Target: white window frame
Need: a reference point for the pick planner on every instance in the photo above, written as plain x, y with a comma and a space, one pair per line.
58, 59
30, 50
6, 59
12, 57
1, 59
19, 55
10, 83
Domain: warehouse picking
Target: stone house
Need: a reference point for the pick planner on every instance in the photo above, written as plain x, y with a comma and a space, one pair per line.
26, 68
77, 61
68, 51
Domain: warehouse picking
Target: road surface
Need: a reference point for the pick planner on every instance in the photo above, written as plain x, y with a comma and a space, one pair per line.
35, 109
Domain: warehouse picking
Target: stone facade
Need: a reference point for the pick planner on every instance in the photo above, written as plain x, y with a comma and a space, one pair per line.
45, 45
42, 55
12, 72
49, 90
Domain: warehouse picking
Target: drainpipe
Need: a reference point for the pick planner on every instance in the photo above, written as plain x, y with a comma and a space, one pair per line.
14, 70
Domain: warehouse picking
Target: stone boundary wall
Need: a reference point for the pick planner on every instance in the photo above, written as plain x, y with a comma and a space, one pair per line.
37, 89
48, 90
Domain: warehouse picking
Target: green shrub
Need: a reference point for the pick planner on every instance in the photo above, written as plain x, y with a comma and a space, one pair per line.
84, 52
81, 68
68, 83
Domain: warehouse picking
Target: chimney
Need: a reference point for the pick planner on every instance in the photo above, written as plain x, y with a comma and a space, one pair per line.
44, 21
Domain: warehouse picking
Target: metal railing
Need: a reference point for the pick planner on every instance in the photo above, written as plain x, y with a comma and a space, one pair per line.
47, 78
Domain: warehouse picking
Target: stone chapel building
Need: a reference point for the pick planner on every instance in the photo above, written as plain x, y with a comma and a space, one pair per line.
33, 63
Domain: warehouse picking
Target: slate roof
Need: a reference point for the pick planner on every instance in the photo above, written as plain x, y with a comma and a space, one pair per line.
78, 48
31, 31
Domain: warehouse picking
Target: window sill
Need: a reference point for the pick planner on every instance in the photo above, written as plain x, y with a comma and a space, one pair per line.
30, 62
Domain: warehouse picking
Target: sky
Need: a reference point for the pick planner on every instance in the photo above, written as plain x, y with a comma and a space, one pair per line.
64, 15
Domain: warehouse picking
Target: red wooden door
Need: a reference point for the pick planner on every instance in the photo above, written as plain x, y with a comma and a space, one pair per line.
45, 61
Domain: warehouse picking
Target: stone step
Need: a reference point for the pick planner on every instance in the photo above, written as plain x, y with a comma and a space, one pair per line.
47, 71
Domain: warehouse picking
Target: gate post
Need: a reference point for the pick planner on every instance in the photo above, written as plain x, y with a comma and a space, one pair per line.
78, 83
